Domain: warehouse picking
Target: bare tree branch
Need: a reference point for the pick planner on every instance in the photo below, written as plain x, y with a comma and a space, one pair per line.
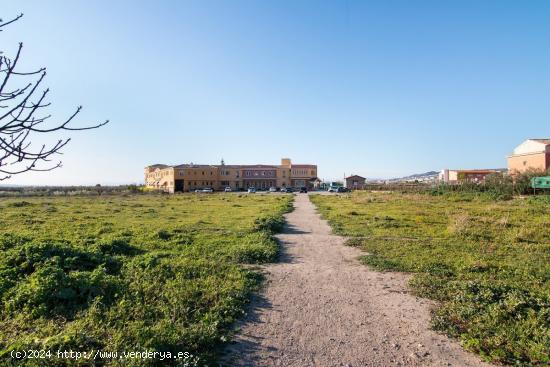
2, 23
22, 120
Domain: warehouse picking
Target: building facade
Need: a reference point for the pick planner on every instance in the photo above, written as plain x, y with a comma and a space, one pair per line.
452, 176
189, 177
532, 154
355, 182
302, 174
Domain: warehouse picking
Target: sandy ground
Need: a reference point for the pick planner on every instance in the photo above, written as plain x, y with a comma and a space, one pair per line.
321, 307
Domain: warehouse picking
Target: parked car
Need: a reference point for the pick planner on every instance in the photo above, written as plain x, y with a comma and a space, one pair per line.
272, 189
303, 190
198, 190
287, 189
251, 190
227, 189
207, 190
342, 189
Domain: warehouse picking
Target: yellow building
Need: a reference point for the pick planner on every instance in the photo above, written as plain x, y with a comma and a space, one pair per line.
190, 177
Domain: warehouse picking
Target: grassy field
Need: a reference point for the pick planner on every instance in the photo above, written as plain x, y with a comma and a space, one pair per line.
129, 273
486, 261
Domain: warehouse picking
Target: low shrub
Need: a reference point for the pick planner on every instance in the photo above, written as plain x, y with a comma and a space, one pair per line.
118, 246
496, 186
382, 264
50, 291
48, 278
19, 204
506, 324
255, 248
270, 223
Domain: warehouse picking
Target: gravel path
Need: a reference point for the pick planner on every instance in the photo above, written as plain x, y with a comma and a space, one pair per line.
321, 307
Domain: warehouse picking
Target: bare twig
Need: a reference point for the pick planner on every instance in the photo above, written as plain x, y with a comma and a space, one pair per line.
21, 122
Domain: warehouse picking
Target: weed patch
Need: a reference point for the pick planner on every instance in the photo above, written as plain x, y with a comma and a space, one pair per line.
118, 274
484, 256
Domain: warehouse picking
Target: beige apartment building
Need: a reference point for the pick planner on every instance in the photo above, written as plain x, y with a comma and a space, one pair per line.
454, 176
532, 154
189, 177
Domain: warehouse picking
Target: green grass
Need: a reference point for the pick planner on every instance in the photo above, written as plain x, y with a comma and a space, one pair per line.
486, 261
129, 273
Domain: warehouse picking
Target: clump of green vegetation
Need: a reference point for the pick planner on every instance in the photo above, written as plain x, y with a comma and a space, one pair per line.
19, 204
497, 186
486, 261
271, 223
115, 274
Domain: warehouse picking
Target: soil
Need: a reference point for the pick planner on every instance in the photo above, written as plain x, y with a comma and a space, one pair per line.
322, 307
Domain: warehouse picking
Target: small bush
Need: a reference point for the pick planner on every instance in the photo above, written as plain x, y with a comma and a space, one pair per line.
354, 242
439, 269
118, 246
270, 223
498, 320
19, 204
380, 263
50, 291
32, 255
8, 241
164, 234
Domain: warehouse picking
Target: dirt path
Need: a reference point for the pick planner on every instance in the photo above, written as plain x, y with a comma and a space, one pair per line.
321, 307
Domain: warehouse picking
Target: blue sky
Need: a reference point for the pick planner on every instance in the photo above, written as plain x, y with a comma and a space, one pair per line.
377, 88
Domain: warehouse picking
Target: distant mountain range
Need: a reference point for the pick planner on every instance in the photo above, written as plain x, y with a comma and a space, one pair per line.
417, 176
426, 176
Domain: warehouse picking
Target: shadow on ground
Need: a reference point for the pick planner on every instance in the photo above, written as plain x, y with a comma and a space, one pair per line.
245, 347
290, 229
